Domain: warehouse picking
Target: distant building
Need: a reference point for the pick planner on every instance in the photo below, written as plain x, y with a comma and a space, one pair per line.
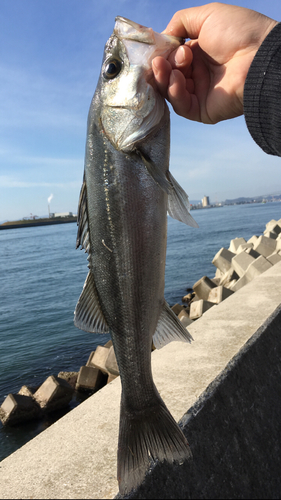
206, 201
62, 214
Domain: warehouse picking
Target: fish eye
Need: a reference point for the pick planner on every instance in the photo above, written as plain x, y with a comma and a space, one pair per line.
112, 69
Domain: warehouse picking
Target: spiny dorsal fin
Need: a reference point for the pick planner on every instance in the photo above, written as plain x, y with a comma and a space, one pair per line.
169, 328
88, 315
156, 173
178, 203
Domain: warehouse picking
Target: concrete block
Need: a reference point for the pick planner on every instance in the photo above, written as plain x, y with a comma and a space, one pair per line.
187, 298
198, 308
99, 358
270, 234
53, 394
177, 308
18, 408
235, 244
253, 239
230, 284
252, 252
222, 260
70, 377
271, 223
219, 294
26, 391
274, 258
228, 277
219, 274
111, 377
274, 226
259, 266
265, 246
90, 358
278, 245
241, 262
111, 363
90, 379
202, 287
239, 284
184, 318
244, 246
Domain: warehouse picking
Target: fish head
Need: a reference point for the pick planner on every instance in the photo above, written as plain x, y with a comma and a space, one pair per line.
131, 105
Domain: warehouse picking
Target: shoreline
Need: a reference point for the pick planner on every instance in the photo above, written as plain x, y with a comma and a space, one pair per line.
37, 222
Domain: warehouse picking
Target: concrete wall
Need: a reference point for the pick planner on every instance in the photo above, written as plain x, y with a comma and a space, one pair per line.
228, 382
233, 430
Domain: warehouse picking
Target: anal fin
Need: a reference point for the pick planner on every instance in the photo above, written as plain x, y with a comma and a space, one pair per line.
169, 328
88, 315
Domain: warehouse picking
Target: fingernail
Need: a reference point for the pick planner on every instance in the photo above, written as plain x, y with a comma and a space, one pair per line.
180, 56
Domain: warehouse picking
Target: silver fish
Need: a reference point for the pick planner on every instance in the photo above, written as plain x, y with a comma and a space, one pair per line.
122, 218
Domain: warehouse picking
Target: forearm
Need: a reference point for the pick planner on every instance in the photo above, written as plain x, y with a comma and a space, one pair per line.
262, 94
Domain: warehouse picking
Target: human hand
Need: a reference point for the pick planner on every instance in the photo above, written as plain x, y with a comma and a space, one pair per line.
204, 79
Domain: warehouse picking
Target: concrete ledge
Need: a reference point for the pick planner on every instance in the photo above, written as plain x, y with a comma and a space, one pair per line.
76, 456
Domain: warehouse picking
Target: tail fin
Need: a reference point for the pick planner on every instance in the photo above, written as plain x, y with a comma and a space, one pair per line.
144, 437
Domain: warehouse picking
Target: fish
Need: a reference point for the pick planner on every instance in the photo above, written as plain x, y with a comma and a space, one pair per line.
122, 225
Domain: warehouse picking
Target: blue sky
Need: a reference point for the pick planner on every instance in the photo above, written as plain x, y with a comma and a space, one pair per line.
50, 57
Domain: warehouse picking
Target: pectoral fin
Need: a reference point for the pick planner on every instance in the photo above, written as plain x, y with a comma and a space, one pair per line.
178, 203
88, 315
156, 173
169, 328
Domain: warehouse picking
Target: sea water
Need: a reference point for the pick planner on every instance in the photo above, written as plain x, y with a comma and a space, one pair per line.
42, 276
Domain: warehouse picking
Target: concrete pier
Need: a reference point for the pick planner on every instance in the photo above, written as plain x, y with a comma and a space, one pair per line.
230, 412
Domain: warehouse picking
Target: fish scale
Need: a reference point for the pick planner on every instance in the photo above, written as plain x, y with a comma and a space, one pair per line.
122, 220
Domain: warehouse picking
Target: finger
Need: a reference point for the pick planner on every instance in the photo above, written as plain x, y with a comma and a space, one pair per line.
187, 23
162, 70
184, 102
181, 59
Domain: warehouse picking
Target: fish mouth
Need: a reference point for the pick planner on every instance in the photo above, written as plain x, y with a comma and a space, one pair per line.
125, 29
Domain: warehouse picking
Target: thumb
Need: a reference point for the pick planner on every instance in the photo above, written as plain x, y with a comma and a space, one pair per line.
187, 23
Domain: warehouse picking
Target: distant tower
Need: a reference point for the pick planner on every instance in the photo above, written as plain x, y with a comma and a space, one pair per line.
206, 201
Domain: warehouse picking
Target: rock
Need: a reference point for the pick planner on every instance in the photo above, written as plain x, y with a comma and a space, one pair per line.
198, 308
235, 244
202, 287
219, 294
53, 394
90, 379
111, 363
265, 246
177, 308
19, 408
70, 377
222, 260
187, 298
184, 318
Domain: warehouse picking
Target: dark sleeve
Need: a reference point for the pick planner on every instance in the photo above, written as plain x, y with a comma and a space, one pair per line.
262, 94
